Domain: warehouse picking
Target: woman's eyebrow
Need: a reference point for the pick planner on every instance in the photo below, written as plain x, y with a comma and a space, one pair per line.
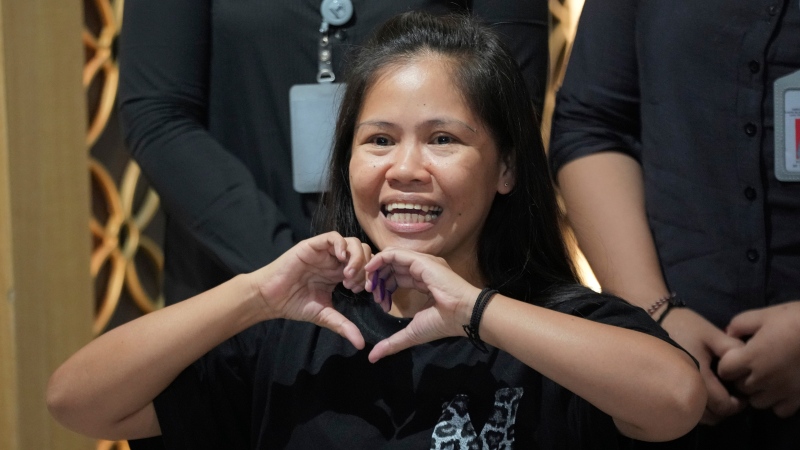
426, 124
447, 121
375, 123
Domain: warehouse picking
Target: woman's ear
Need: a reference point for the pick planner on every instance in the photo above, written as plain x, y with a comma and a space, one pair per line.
505, 183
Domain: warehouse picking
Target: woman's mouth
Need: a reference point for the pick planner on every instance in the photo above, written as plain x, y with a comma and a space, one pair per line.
410, 212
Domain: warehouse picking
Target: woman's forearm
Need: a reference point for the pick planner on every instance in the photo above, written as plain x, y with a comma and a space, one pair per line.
651, 389
106, 389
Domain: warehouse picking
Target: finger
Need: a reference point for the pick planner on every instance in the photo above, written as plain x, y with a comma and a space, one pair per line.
720, 402
333, 242
720, 343
751, 384
787, 407
709, 418
385, 296
339, 324
376, 273
765, 399
389, 257
395, 343
377, 281
745, 324
367, 252
734, 364
354, 269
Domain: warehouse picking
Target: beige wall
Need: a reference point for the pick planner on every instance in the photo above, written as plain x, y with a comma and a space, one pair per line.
45, 286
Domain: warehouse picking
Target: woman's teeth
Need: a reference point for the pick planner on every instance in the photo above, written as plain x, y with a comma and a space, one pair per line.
411, 213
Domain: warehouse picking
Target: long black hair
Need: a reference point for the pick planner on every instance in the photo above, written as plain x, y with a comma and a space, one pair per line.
521, 250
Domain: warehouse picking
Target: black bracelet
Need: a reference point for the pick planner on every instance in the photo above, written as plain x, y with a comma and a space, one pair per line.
674, 302
477, 312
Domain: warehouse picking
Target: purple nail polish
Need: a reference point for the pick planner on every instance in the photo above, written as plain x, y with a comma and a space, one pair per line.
374, 280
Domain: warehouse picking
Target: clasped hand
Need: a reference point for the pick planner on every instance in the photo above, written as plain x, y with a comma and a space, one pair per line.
299, 285
758, 354
767, 367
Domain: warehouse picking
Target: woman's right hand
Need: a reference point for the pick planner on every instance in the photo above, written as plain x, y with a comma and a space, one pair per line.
298, 285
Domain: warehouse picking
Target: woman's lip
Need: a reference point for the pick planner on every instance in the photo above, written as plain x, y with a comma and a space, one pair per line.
408, 227
410, 215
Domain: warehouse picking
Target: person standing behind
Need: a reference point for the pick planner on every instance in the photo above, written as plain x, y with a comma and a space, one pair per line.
204, 105
664, 152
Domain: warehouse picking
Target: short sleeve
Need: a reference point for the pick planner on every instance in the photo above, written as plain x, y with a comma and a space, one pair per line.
209, 405
597, 106
611, 310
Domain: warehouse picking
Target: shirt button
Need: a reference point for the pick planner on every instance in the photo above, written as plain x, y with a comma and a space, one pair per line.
750, 129
752, 255
340, 35
754, 66
750, 193
772, 10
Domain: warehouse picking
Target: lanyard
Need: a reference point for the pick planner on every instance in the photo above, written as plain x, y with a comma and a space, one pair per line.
334, 12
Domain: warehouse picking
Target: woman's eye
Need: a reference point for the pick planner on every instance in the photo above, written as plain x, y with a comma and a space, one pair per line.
381, 141
443, 140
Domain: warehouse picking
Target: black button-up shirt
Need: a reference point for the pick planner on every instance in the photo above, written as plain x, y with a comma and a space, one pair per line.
686, 88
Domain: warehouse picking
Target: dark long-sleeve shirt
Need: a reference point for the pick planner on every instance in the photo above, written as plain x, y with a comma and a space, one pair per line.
204, 103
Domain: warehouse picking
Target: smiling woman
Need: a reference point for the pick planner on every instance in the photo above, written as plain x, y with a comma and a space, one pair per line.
418, 144
440, 310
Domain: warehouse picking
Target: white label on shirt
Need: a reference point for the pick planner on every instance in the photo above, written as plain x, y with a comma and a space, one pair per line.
792, 130
787, 130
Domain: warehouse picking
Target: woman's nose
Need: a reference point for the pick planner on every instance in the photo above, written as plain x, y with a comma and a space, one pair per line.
409, 165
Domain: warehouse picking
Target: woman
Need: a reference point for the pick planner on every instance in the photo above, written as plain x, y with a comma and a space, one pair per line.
437, 167
204, 106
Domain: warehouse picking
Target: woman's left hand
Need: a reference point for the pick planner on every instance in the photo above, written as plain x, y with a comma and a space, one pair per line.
450, 297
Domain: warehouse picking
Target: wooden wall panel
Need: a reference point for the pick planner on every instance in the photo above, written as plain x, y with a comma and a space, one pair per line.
47, 299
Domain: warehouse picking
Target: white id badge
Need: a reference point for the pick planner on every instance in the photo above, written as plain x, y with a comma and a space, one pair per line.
787, 127
313, 109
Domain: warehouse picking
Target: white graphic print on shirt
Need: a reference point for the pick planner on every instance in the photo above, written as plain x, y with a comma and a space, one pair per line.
455, 431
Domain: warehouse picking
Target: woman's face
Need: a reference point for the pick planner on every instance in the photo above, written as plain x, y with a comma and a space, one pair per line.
424, 169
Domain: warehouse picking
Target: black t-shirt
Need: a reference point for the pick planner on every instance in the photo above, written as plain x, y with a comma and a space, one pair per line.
293, 385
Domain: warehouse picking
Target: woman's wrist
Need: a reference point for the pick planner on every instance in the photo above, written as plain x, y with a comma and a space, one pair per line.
258, 295
472, 328
464, 312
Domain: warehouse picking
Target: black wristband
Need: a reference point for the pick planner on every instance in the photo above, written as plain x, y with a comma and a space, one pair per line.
674, 302
477, 312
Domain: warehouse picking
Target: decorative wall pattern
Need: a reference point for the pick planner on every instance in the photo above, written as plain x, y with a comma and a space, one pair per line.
127, 260
123, 207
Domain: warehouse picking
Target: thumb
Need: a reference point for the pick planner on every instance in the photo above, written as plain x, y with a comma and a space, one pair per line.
395, 343
720, 343
745, 324
733, 365
339, 324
